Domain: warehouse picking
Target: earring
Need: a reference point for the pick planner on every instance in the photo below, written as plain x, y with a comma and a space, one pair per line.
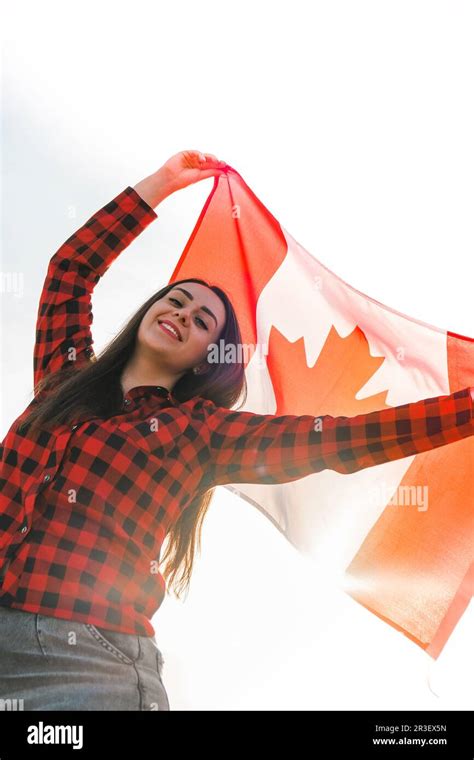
196, 370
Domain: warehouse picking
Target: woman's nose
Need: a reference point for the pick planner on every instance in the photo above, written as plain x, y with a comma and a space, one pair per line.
180, 315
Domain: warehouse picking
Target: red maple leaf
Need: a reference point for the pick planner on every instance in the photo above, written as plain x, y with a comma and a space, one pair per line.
331, 384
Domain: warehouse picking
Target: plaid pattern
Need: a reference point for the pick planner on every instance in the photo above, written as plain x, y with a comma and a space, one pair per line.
84, 510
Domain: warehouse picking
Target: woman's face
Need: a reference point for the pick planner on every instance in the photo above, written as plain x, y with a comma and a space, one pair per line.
198, 315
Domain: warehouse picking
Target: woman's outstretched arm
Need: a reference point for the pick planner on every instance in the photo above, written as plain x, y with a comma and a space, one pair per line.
242, 447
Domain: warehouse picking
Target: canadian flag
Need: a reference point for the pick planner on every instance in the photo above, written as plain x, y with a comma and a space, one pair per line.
399, 536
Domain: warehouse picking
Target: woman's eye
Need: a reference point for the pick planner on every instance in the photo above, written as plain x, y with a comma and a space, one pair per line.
176, 301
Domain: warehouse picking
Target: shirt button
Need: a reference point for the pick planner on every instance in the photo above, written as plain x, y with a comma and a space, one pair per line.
46, 478
74, 427
24, 529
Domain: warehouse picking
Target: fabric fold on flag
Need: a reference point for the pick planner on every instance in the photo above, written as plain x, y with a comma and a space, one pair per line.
398, 536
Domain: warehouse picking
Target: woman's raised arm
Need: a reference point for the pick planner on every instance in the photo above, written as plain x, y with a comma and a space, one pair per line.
63, 334
63, 325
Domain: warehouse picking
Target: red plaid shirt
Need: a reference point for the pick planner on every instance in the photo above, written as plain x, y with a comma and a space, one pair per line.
84, 510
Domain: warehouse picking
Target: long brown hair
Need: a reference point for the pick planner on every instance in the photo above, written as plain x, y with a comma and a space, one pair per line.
96, 389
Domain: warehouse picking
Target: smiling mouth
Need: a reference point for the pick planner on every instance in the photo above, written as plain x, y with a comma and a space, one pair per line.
168, 330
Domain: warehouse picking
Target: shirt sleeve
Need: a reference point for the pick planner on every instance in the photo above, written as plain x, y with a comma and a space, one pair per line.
64, 317
243, 447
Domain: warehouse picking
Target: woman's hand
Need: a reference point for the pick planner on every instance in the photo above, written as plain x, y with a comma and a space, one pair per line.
190, 166
179, 171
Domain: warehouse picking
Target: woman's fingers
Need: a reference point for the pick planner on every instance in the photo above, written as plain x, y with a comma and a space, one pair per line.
196, 159
205, 173
210, 158
194, 165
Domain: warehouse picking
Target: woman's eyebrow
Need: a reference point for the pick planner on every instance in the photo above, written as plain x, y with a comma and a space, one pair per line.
191, 298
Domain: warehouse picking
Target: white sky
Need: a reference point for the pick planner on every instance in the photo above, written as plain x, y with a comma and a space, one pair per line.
353, 124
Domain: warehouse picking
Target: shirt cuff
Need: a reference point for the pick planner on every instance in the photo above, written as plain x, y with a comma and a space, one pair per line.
141, 201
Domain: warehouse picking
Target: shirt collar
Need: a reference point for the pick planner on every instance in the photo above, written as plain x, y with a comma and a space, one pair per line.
142, 390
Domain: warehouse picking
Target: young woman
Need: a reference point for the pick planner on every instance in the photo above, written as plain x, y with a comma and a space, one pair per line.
117, 452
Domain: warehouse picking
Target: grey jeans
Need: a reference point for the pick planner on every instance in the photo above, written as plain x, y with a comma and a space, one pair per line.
47, 663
